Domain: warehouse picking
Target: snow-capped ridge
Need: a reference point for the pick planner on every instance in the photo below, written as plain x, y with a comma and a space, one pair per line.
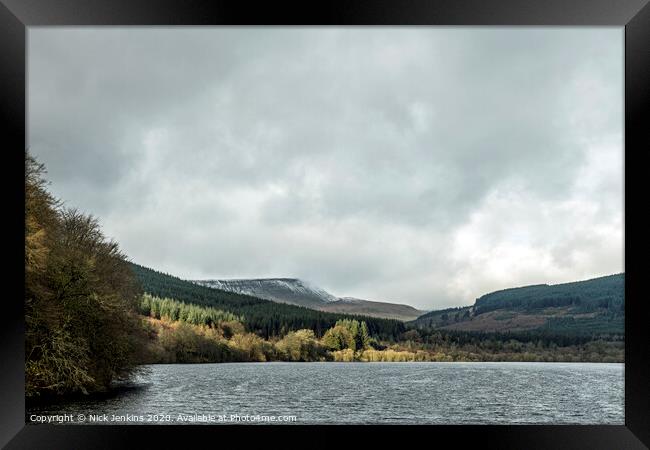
284, 290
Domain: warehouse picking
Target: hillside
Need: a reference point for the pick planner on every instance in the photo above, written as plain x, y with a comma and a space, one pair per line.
584, 296
351, 305
301, 293
594, 306
263, 317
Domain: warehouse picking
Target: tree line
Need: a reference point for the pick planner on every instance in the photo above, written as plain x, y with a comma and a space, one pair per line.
348, 341
173, 310
184, 333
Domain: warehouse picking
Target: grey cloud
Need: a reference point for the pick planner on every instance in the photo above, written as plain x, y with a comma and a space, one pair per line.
351, 157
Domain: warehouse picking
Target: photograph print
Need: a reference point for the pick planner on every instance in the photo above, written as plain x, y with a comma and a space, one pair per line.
324, 225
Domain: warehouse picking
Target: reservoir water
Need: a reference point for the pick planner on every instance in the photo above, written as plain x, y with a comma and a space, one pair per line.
360, 393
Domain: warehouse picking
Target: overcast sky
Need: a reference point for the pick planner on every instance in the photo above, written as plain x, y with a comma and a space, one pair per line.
418, 165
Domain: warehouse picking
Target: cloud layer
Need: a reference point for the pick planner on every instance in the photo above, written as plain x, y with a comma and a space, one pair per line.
419, 165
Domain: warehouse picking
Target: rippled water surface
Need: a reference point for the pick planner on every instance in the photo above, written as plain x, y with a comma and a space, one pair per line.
351, 393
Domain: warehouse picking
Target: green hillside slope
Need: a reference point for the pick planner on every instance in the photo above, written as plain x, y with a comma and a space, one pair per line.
584, 296
263, 317
590, 307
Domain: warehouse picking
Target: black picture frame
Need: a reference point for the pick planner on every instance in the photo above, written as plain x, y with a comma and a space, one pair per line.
634, 15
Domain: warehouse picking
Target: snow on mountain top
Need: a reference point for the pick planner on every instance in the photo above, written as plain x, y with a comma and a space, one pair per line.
292, 290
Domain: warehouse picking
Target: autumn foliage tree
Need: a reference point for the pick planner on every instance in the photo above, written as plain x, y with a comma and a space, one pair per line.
301, 345
80, 298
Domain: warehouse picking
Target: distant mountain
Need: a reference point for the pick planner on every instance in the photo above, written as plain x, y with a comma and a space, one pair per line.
352, 305
583, 307
264, 317
298, 292
281, 290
